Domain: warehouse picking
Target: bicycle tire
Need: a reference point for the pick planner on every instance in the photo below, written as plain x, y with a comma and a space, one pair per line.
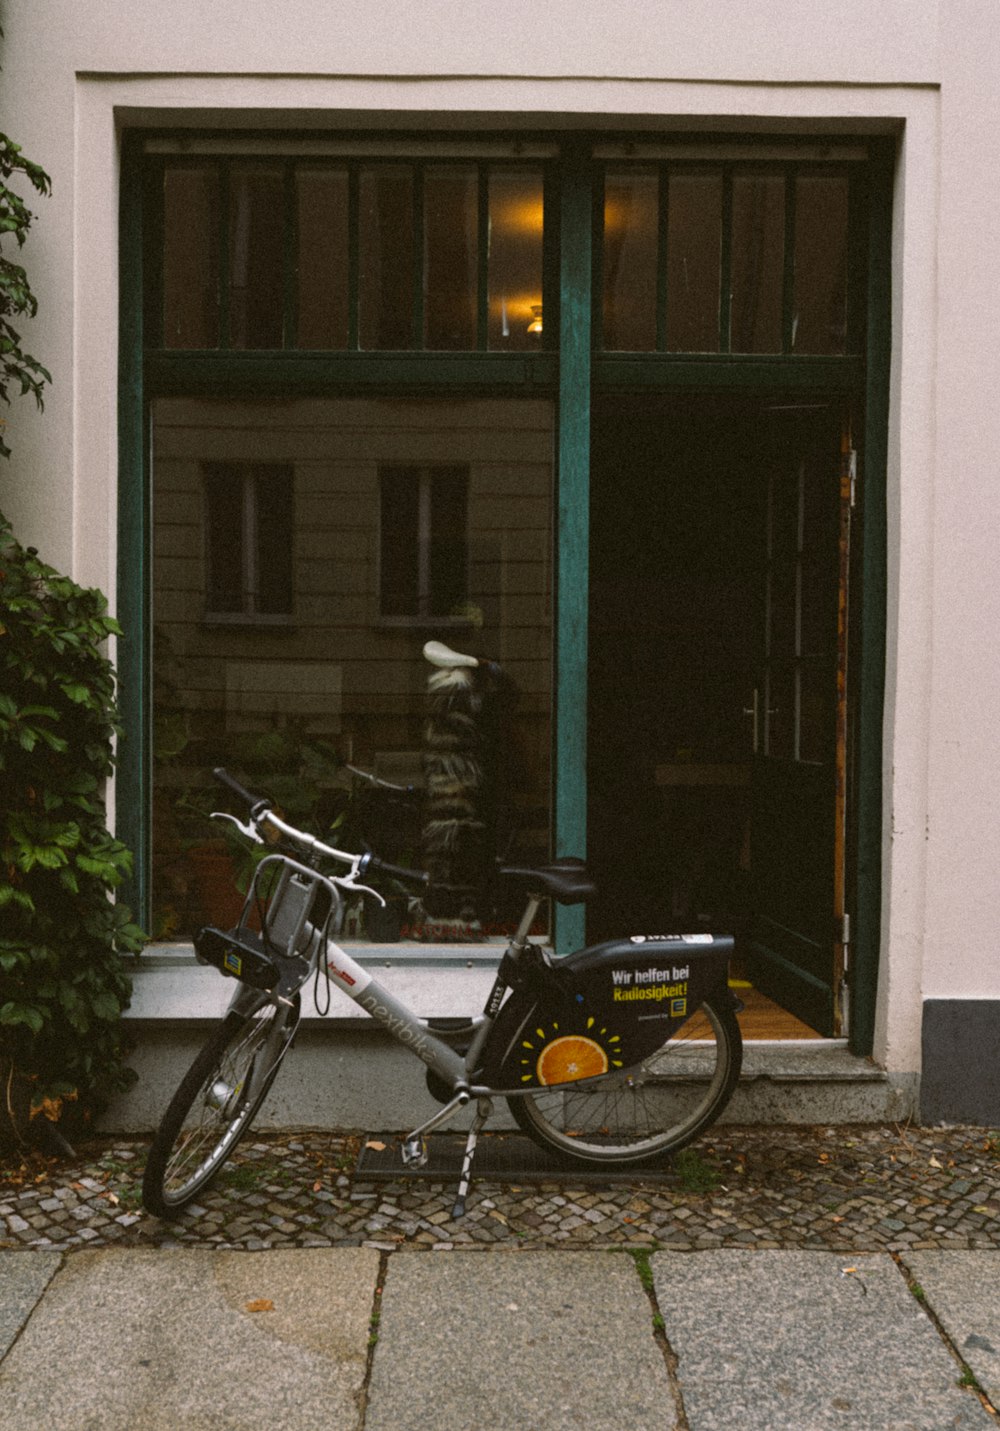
636, 1116
210, 1112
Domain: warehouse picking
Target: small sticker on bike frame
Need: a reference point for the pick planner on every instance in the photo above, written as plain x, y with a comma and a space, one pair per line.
233, 962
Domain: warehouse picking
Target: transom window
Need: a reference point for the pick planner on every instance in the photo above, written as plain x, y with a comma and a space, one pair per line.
730, 258
383, 255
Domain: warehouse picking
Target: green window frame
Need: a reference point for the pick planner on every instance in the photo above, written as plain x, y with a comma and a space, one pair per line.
569, 365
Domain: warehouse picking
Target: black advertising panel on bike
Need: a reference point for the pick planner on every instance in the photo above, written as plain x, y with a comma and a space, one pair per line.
604, 1009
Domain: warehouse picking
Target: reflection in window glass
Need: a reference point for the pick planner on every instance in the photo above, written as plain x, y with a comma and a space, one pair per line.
386, 248
422, 540
694, 253
291, 705
758, 248
631, 232
249, 532
191, 257
451, 210
322, 258
256, 257
515, 259
820, 322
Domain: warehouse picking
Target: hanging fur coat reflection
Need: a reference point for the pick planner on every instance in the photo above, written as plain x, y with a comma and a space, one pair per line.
463, 743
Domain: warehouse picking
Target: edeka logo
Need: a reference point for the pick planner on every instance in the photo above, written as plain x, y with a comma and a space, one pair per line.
404, 1031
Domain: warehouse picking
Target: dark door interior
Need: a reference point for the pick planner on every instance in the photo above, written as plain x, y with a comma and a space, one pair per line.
714, 696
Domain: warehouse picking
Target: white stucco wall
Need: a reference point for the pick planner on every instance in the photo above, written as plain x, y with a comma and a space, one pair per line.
73, 77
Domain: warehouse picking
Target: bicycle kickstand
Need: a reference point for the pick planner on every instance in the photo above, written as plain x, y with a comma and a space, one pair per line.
483, 1111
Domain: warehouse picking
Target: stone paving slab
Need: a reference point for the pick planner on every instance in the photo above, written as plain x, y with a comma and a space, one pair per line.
23, 1279
962, 1290
160, 1340
805, 1341
514, 1342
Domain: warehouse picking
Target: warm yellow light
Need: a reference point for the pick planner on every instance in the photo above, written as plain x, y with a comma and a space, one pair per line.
535, 326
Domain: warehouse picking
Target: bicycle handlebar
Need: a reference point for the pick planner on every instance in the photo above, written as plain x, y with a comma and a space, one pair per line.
371, 864
260, 809
256, 802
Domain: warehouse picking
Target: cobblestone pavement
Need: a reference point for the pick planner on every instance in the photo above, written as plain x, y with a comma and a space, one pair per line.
845, 1188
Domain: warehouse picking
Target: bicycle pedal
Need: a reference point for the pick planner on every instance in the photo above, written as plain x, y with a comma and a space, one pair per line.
415, 1153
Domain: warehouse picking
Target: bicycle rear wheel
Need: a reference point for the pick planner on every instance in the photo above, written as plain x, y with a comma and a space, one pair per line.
637, 1115
215, 1104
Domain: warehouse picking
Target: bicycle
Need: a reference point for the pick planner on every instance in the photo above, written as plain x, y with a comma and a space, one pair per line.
613, 1056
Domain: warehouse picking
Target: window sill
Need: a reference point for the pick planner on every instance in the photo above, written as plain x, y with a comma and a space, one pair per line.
170, 987
250, 620
424, 623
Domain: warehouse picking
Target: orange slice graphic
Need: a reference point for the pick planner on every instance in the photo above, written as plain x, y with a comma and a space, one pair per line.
571, 1057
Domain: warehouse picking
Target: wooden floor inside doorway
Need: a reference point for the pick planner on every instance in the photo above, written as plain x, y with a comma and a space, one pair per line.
762, 1018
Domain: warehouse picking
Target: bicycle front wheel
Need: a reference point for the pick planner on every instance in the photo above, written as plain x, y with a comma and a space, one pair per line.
637, 1115
215, 1104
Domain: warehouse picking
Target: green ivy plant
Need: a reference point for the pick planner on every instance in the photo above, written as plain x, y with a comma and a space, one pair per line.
18, 369
63, 985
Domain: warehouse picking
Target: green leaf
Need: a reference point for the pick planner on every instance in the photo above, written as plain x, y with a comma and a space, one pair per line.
12, 1013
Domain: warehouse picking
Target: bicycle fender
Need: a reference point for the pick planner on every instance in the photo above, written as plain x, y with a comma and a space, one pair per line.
606, 1007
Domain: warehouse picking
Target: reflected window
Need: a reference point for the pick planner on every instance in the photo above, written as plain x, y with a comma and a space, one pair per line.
422, 541
249, 531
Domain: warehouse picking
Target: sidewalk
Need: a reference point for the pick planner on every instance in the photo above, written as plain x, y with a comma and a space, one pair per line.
866, 1299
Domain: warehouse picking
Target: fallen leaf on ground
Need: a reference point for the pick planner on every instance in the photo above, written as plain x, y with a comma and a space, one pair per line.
379, 1147
933, 1162
262, 1304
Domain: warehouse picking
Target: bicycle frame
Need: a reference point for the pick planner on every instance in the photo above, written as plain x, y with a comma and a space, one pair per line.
289, 924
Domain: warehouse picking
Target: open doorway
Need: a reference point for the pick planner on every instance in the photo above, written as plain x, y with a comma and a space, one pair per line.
717, 761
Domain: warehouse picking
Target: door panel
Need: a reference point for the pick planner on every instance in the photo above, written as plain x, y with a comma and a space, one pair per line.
798, 707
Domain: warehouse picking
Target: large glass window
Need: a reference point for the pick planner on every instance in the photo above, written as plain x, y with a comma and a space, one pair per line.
304, 552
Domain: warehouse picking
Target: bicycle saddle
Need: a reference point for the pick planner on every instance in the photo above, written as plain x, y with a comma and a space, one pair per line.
445, 658
565, 880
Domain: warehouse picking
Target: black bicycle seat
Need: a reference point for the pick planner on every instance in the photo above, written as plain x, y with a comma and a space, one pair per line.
565, 880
